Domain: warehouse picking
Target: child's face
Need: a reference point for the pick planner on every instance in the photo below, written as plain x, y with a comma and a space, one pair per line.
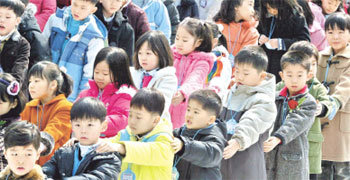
81, 9
295, 77
111, 6
337, 38
313, 69
330, 6
8, 21
196, 117
246, 74
102, 75
6, 106
272, 11
185, 43
39, 88
147, 59
245, 11
21, 159
142, 121
88, 131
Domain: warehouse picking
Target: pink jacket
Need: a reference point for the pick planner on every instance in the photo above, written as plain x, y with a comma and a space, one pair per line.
44, 10
191, 72
317, 33
117, 102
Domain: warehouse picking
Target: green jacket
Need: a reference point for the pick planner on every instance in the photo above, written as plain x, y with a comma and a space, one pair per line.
319, 92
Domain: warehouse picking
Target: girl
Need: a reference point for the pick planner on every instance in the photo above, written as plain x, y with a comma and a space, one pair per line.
334, 72
49, 110
239, 25
113, 85
12, 102
153, 62
193, 61
329, 6
277, 35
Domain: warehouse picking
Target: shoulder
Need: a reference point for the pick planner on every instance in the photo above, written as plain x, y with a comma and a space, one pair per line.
125, 90
201, 56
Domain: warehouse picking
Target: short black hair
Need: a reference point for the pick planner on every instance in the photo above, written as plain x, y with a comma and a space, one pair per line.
306, 47
209, 99
149, 98
16, 5
295, 57
254, 55
339, 19
88, 108
22, 133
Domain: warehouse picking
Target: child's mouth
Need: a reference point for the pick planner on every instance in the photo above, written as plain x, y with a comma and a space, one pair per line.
20, 168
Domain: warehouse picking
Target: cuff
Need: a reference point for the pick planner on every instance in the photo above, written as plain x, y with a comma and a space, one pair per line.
323, 111
283, 141
281, 45
48, 141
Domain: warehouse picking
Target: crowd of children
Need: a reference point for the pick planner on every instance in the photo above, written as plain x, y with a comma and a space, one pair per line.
121, 89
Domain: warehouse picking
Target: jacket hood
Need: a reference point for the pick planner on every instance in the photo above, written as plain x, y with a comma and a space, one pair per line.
137, 74
221, 49
245, 24
163, 126
28, 20
36, 173
266, 87
29, 12
36, 102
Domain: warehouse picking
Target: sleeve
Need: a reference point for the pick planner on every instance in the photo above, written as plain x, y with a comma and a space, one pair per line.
324, 99
142, 25
128, 39
47, 29
162, 21
48, 7
254, 122
342, 90
195, 79
168, 86
48, 141
50, 168
158, 153
297, 122
20, 65
301, 32
104, 169
206, 153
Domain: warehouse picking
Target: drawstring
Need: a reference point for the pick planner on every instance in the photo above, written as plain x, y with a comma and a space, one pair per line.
38, 123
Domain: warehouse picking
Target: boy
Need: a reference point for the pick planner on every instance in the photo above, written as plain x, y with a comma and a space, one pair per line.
120, 32
200, 142
22, 142
145, 143
14, 56
80, 161
249, 111
75, 37
296, 109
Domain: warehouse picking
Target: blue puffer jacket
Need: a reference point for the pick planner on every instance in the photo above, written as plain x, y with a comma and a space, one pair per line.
79, 54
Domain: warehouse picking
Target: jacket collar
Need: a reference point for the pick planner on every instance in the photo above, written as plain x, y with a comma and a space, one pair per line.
284, 92
345, 53
36, 102
109, 89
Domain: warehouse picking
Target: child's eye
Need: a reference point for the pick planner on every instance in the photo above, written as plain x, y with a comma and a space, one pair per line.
90, 125
196, 112
246, 74
14, 154
29, 154
188, 110
77, 125
138, 118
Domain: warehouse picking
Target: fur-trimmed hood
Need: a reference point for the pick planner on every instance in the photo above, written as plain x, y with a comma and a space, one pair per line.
35, 174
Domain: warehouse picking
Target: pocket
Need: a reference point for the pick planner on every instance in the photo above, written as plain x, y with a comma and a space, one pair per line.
344, 122
291, 156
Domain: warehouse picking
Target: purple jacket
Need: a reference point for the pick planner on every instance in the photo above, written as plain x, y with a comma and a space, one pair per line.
191, 72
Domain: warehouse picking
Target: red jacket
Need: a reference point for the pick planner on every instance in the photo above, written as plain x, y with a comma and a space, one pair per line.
117, 102
44, 10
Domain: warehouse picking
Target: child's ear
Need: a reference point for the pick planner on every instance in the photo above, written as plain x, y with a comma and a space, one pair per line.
212, 119
104, 126
309, 75
156, 119
263, 75
93, 10
18, 20
198, 43
53, 85
281, 74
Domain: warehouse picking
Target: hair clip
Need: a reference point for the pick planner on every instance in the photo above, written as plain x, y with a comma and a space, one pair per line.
12, 88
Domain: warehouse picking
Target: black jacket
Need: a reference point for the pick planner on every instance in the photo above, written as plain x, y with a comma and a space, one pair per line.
120, 32
30, 30
94, 166
292, 30
174, 18
201, 157
14, 57
188, 8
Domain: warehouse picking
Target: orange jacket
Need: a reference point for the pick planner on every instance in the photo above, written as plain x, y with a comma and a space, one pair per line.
249, 35
53, 118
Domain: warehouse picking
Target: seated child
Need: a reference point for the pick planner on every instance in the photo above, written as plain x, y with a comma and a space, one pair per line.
296, 112
249, 111
200, 142
80, 161
145, 143
22, 142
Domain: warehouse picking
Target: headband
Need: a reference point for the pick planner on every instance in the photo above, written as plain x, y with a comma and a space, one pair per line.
12, 87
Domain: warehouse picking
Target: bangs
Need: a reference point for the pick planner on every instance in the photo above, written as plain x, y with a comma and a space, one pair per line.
339, 20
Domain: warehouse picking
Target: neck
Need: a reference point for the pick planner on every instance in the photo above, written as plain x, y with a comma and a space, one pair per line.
339, 50
46, 99
107, 14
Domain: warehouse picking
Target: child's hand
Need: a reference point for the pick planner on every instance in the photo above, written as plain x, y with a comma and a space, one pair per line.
263, 39
271, 143
177, 145
318, 109
274, 43
231, 149
110, 147
177, 98
70, 142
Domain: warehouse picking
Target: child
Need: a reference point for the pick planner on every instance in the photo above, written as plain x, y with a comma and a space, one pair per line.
145, 143
13, 47
157, 15
75, 37
324, 107
200, 142
113, 85
237, 17
153, 62
193, 61
296, 109
334, 72
220, 75
276, 35
22, 142
249, 111
80, 161
329, 6
49, 109
120, 32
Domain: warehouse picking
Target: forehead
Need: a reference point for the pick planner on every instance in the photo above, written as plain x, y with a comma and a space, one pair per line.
83, 3
7, 10
294, 68
86, 121
22, 148
245, 66
182, 31
193, 103
139, 110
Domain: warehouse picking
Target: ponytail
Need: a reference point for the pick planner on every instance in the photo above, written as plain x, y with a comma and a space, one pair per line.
67, 85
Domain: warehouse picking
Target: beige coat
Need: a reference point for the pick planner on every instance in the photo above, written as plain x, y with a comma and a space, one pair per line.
336, 145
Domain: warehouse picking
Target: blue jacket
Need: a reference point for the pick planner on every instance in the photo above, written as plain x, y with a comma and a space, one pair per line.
78, 56
157, 15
